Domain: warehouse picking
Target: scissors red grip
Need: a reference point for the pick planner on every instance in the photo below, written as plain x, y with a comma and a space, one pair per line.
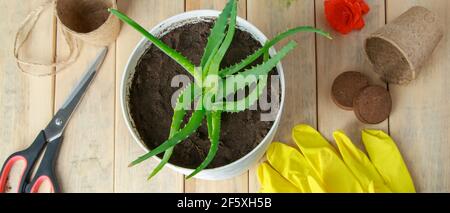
45, 171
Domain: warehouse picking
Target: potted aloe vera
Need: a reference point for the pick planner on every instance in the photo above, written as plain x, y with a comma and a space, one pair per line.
204, 134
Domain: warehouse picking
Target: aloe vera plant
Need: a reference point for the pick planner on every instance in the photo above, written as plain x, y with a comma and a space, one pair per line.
218, 43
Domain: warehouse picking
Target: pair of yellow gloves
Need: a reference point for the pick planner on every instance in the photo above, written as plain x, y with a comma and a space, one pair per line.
320, 168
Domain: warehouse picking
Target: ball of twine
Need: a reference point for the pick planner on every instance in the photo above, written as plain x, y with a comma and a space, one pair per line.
81, 20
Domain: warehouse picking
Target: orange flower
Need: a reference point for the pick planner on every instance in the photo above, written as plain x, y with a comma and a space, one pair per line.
346, 15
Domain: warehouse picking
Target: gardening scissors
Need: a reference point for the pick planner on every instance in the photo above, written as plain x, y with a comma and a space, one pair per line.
49, 139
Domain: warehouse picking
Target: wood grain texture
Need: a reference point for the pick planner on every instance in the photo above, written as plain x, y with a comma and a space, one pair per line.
240, 183
215, 5
26, 102
299, 65
148, 14
344, 53
420, 123
87, 154
98, 147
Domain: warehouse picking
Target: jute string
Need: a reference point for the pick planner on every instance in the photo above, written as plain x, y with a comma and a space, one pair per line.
103, 35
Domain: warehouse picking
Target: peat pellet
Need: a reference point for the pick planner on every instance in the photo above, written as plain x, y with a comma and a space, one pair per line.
346, 86
372, 105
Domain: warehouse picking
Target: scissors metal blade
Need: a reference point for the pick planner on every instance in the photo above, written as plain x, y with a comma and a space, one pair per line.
57, 125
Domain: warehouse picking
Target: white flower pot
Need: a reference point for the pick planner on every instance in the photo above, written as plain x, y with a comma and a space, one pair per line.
224, 172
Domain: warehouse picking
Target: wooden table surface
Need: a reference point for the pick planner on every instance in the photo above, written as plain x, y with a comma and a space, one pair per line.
97, 146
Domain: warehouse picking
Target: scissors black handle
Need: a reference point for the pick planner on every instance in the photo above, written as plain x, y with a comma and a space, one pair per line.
30, 157
46, 169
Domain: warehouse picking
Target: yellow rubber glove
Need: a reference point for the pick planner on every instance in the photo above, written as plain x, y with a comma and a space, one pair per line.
359, 164
273, 181
321, 169
289, 173
387, 159
292, 166
324, 159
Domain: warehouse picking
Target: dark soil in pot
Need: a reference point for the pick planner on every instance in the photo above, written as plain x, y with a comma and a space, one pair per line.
151, 93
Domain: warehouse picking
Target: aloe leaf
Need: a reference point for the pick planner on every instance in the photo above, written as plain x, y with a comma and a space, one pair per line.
180, 59
209, 124
251, 58
216, 120
266, 67
251, 99
167, 154
177, 120
261, 69
217, 35
192, 125
218, 57
245, 103
266, 56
